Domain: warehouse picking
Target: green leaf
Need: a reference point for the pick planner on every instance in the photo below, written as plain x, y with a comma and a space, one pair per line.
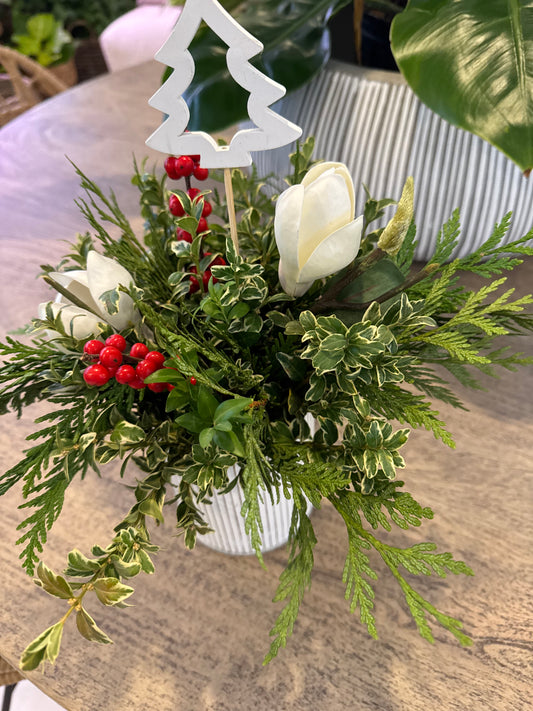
192, 423
42, 26
229, 408
189, 224
206, 403
373, 282
224, 426
27, 45
238, 311
126, 433
229, 442
280, 319
150, 507
177, 399
206, 436
78, 564
326, 361
44, 648
88, 628
471, 61
110, 300
296, 47
124, 569
293, 365
111, 591
53, 584
146, 562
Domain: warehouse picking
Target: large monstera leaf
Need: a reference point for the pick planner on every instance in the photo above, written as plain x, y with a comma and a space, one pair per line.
296, 46
471, 61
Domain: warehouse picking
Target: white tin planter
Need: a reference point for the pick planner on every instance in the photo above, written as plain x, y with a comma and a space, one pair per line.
223, 515
371, 121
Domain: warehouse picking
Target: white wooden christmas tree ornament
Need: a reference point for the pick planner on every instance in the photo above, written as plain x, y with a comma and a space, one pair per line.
273, 131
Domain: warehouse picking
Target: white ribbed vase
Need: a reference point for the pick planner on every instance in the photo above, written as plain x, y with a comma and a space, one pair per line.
223, 515
371, 121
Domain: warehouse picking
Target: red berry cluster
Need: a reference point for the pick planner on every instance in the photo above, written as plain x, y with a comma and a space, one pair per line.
185, 167
128, 369
206, 276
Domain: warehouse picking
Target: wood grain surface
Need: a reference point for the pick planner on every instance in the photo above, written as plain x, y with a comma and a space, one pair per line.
198, 632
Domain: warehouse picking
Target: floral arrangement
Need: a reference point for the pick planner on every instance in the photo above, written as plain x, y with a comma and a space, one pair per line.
186, 356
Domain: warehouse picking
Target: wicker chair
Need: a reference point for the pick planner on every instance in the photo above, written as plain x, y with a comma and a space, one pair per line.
8, 678
25, 84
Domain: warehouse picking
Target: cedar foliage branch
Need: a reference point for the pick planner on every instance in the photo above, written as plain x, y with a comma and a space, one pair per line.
265, 366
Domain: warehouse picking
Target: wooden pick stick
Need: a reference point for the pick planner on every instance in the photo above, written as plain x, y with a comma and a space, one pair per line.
231, 208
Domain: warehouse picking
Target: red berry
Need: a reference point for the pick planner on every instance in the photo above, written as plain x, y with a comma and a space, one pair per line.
96, 375
193, 381
175, 206
194, 285
125, 374
157, 387
146, 368
184, 166
170, 167
218, 261
93, 347
139, 350
136, 383
157, 357
193, 192
200, 173
183, 235
202, 225
110, 357
170, 387
206, 276
117, 341
196, 158
207, 209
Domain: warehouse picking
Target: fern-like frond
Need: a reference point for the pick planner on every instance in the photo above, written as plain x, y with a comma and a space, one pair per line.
419, 559
295, 579
47, 506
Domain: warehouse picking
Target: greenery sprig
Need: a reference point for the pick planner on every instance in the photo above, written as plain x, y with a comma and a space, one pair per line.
285, 397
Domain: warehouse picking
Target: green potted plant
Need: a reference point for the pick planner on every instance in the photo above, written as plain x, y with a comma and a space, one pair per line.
47, 41
447, 52
279, 372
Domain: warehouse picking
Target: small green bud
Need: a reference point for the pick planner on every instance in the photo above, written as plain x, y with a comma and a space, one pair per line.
394, 233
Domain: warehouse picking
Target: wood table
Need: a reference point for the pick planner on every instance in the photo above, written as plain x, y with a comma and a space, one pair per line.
198, 632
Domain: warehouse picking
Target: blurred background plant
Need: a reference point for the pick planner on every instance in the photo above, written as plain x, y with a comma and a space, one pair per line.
96, 14
471, 62
45, 40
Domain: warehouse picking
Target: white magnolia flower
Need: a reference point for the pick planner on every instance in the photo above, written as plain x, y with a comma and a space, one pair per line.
315, 229
102, 274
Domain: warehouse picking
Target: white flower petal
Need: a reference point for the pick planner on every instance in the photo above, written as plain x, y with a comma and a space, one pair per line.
77, 322
334, 253
105, 274
286, 229
288, 281
339, 169
326, 208
316, 235
77, 284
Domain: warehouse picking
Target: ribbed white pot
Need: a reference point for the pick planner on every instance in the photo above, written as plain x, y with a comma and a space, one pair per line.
371, 121
223, 515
